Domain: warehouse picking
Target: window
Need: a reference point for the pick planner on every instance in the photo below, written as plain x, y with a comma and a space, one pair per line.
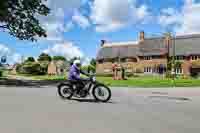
147, 69
147, 57
179, 57
179, 70
100, 61
156, 57
194, 57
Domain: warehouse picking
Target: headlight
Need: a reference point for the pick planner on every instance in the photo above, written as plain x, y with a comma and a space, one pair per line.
94, 79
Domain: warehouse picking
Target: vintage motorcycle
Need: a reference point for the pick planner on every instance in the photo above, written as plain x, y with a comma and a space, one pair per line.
100, 92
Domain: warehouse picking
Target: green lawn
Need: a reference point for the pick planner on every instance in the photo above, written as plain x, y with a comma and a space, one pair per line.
150, 82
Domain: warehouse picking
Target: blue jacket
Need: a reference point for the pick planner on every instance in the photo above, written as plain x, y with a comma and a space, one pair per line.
74, 73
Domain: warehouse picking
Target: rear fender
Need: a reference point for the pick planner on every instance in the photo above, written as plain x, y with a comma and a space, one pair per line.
64, 83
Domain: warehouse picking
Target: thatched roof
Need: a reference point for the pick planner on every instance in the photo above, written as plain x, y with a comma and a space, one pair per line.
184, 45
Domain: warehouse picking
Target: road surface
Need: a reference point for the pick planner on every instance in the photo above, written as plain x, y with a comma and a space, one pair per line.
131, 110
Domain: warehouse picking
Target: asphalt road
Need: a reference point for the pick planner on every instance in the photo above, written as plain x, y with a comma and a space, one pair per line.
131, 110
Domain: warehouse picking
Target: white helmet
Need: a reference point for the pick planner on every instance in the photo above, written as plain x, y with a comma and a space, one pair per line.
77, 62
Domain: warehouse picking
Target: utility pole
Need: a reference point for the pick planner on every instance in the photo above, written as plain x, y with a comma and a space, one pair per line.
174, 55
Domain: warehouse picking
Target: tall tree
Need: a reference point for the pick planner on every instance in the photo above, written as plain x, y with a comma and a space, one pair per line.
19, 18
73, 59
59, 58
93, 62
30, 59
44, 57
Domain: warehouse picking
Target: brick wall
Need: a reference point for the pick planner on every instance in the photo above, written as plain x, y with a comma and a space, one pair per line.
130, 66
133, 67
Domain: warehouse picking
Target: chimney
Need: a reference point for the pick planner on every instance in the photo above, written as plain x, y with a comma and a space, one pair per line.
102, 43
142, 36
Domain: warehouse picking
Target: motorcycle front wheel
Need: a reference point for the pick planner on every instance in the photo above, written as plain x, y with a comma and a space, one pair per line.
102, 93
65, 91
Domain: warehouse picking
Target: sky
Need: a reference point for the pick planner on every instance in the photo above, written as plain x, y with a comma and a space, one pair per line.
76, 27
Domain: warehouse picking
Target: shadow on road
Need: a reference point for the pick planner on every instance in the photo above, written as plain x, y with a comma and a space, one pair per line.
90, 101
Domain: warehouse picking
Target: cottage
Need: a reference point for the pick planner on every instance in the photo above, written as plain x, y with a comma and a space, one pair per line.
14, 69
149, 55
57, 67
52, 69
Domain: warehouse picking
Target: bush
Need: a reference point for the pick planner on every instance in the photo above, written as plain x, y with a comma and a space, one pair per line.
89, 68
185, 77
194, 75
169, 75
19, 68
31, 68
128, 74
92, 68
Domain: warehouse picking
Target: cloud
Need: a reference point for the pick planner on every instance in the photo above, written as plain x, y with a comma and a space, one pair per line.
65, 14
185, 21
12, 56
81, 20
169, 17
55, 23
67, 49
110, 15
4, 51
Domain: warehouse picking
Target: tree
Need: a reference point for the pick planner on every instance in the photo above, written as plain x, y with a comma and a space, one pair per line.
59, 58
20, 18
44, 57
73, 59
30, 59
93, 62
32, 68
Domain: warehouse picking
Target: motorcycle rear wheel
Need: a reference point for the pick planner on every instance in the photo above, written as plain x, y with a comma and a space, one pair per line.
65, 91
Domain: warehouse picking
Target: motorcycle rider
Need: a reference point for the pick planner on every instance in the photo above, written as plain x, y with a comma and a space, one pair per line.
74, 74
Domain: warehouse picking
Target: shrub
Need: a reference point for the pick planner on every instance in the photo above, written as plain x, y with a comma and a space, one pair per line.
138, 70
185, 77
129, 74
169, 75
31, 68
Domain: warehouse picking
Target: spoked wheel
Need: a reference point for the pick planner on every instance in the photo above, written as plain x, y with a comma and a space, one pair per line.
102, 93
65, 91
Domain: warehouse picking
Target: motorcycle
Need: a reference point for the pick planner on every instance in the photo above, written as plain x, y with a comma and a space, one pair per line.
100, 92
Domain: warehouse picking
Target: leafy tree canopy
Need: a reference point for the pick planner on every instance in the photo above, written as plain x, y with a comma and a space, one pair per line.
59, 58
93, 62
44, 57
73, 59
30, 59
20, 18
